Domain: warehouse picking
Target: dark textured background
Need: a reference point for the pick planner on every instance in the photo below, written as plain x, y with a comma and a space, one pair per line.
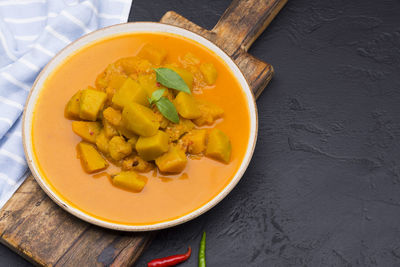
323, 188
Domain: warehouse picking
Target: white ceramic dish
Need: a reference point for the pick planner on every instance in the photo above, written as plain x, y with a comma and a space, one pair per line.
119, 30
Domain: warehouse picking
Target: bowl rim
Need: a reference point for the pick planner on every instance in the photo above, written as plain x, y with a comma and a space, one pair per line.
107, 32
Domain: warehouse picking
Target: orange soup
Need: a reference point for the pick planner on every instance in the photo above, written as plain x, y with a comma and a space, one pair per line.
165, 197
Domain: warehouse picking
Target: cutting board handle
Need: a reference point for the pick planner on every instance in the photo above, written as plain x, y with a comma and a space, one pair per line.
237, 29
244, 21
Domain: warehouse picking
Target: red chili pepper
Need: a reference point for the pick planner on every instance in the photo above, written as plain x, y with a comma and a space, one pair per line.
170, 260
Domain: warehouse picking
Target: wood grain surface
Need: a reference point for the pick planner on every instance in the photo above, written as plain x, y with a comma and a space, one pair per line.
235, 32
35, 227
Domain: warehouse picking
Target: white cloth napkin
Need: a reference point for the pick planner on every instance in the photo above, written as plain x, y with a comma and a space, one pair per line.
31, 33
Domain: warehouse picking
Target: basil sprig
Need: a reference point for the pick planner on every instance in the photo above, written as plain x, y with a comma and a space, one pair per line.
169, 78
165, 106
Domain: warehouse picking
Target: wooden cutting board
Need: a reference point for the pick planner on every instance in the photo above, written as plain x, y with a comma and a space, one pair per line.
36, 228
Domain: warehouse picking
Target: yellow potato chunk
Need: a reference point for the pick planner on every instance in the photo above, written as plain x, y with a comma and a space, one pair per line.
196, 141
119, 148
140, 120
127, 133
186, 75
91, 103
113, 116
209, 113
209, 73
149, 148
149, 83
129, 180
136, 163
88, 130
173, 161
101, 81
116, 80
198, 79
102, 142
176, 131
73, 106
129, 92
155, 55
104, 78
109, 130
91, 159
190, 59
219, 146
135, 65
186, 106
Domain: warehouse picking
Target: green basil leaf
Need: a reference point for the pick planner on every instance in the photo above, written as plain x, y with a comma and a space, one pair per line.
156, 95
171, 79
167, 109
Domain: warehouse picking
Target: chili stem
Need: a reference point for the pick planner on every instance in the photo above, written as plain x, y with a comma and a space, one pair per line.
202, 251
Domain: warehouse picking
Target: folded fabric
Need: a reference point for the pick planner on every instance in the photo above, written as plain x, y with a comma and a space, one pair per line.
31, 33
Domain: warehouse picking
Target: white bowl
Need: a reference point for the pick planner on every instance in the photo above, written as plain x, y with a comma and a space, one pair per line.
120, 30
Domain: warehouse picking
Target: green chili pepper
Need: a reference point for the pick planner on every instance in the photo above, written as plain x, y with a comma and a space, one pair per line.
202, 251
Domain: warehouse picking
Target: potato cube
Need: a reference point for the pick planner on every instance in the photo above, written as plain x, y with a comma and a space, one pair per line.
113, 116
219, 146
104, 78
109, 130
209, 73
155, 55
129, 180
93, 88
190, 59
198, 77
186, 75
135, 65
186, 106
176, 131
91, 159
196, 141
149, 83
209, 113
173, 161
119, 148
136, 163
101, 81
116, 80
73, 106
91, 103
88, 130
140, 120
126, 133
129, 92
102, 142
149, 148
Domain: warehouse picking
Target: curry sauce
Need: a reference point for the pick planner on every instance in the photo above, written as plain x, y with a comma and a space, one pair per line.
165, 195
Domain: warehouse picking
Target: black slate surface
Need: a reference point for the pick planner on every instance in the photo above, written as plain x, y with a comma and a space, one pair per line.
323, 188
